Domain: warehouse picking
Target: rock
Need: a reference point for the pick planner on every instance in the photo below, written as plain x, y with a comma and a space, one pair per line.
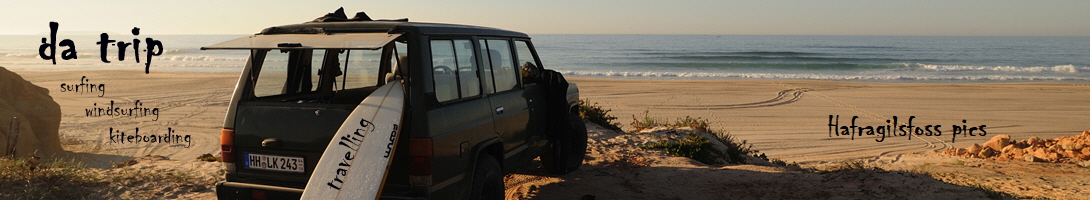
1040, 153
1067, 143
1055, 148
987, 152
39, 117
1031, 158
960, 151
1051, 157
1086, 151
1069, 154
998, 142
1035, 141
1085, 163
1013, 152
973, 149
1080, 155
1086, 133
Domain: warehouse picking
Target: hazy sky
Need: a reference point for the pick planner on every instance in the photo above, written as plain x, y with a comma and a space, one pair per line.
721, 17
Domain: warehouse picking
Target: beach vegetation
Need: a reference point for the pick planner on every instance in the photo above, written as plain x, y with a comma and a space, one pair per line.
209, 158
736, 151
646, 121
692, 146
695, 123
593, 113
783, 163
29, 178
847, 165
26, 178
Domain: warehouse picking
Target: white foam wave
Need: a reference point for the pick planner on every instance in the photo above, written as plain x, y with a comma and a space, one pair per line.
21, 55
203, 58
869, 77
1037, 69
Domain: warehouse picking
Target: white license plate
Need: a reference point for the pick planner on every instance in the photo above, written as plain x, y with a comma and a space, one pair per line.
271, 162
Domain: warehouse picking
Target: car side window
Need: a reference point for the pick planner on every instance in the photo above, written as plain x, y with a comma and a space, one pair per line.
454, 73
360, 70
486, 69
527, 65
504, 73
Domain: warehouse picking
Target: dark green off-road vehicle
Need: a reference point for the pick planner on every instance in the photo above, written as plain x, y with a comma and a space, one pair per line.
478, 105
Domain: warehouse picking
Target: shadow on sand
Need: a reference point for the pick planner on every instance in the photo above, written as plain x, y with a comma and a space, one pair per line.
626, 181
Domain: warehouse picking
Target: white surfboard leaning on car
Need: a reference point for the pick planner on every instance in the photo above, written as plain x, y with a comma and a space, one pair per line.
355, 162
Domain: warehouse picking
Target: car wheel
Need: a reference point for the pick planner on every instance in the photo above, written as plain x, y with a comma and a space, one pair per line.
566, 151
487, 179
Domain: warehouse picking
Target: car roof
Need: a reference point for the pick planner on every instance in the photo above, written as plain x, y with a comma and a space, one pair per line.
391, 26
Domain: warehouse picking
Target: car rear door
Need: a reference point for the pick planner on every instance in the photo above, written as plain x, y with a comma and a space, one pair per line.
460, 115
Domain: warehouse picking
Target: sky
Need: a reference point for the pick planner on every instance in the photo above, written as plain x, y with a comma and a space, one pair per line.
706, 17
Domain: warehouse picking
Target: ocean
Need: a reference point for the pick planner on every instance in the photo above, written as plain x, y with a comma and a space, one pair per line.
845, 58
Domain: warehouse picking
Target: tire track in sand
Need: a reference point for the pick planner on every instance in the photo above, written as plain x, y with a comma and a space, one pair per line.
931, 142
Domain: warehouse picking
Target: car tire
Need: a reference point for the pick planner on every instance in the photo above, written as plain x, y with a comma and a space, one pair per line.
487, 179
566, 151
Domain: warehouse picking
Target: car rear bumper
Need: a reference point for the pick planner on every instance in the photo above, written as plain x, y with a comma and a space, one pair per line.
245, 191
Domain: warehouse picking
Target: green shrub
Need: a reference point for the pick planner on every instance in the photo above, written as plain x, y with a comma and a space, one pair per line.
735, 153
692, 146
695, 123
645, 122
595, 114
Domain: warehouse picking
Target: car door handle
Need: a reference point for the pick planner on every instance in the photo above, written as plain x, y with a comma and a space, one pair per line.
499, 110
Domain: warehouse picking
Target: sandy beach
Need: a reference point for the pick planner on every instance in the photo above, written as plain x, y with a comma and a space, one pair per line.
788, 119
785, 119
189, 104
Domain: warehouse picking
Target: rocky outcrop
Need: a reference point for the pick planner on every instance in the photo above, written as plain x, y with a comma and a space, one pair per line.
39, 117
1068, 149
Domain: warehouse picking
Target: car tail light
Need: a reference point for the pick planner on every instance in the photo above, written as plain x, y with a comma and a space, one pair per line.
227, 149
420, 162
258, 195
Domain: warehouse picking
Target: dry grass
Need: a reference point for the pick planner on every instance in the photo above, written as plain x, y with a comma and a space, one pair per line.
646, 121
27, 178
24, 178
